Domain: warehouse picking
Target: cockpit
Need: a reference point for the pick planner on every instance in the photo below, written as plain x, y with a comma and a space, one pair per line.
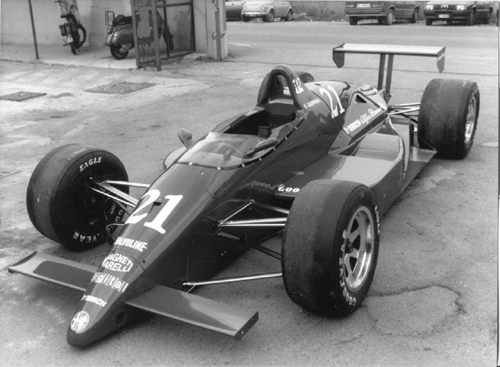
257, 133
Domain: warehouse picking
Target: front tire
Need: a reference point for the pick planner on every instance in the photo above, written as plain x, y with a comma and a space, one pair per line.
353, 20
60, 203
330, 246
448, 116
428, 21
79, 38
269, 17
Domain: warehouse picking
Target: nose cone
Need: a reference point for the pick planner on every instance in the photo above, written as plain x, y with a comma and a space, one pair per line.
102, 308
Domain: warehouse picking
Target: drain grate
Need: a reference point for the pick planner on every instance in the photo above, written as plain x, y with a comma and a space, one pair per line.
21, 96
120, 88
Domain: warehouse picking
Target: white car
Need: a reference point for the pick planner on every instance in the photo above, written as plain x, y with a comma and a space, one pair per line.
268, 10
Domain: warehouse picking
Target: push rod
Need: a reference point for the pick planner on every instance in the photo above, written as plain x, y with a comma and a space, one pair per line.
233, 280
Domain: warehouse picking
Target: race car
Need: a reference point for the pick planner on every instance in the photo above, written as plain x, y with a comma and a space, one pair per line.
317, 162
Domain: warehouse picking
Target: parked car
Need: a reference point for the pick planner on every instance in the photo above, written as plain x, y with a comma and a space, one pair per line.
463, 11
268, 10
384, 11
233, 9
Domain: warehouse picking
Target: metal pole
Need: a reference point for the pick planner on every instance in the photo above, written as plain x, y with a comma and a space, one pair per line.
33, 29
381, 69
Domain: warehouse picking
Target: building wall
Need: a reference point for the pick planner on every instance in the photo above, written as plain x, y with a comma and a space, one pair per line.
16, 25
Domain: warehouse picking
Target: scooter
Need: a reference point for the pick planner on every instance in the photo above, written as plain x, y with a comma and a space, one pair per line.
73, 32
120, 36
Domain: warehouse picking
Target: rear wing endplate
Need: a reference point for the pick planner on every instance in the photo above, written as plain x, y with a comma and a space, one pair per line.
387, 51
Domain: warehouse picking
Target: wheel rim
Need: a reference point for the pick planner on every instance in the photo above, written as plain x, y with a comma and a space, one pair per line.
470, 121
357, 251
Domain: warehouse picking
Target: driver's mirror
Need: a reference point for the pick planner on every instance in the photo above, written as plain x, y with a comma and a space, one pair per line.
186, 138
263, 145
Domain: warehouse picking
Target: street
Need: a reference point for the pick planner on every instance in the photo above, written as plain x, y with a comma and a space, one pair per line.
433, 301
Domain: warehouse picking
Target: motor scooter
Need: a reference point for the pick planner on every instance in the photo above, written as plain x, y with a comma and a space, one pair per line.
73, 32
120, 36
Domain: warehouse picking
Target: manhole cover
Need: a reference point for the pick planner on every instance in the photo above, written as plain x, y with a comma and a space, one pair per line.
21, 96
120, 88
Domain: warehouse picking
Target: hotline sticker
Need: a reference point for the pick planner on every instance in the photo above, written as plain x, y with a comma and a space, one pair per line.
80, 321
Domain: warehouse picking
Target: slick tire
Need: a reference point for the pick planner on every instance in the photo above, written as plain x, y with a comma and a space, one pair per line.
330, 247
305, 77
448, 117
118, 52
60, 203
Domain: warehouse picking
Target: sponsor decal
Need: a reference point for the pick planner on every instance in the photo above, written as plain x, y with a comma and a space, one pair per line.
312, 103
263, 185
297, 84
90, 162
95, 300
110, 281
85, 239
80, 321
288, 189
75, 153
362, 120
117, 262
133, 244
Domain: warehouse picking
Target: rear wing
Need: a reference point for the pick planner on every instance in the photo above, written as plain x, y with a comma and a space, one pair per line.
384, 51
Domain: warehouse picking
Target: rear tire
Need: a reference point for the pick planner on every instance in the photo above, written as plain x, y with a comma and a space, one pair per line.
118, 52
448, 116
60, 203
389, 19
289, 16
330, 246
488, 17
305, 77
471, 18
414, 16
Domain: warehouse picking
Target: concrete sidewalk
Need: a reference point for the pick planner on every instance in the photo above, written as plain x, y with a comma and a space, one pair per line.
93, 57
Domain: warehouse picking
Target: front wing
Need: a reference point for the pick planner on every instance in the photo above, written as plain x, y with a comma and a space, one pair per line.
164, 301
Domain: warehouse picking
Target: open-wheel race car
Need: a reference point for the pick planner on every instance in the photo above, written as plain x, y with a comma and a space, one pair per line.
316, 161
